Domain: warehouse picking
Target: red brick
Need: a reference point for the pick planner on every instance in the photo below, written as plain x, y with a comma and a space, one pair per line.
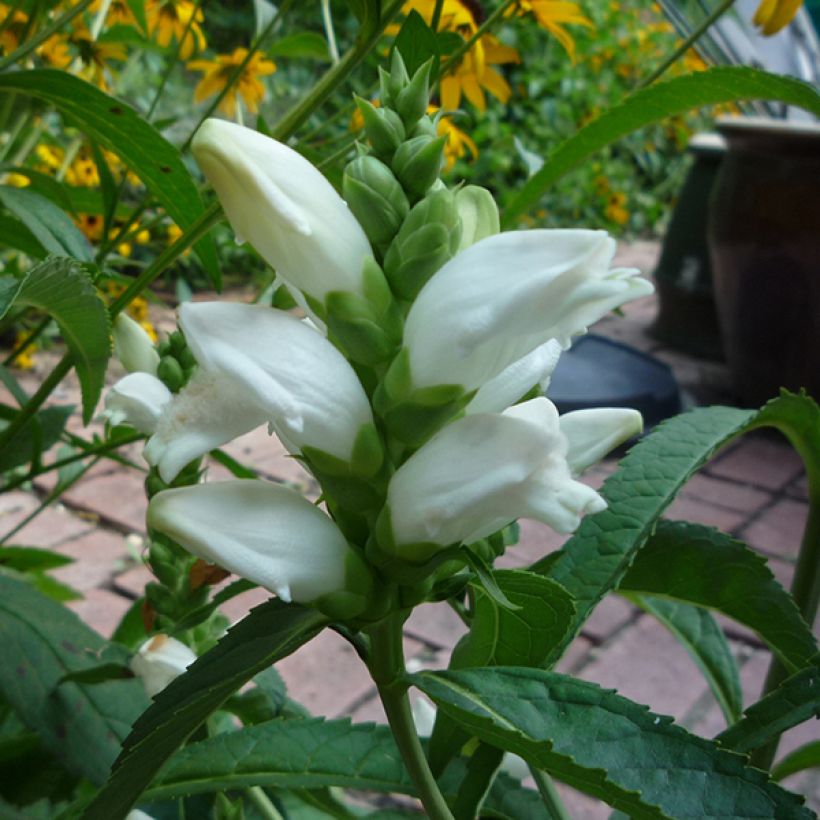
779, 529
132, 582
238, 607
799, 488
266, 453
101, 610
580, 806
535, 541
612, 614
642, 254
724, 493
52, 526
646, 663
436, 625
766, 462
685, 508
575, 657
117, 498
97, 555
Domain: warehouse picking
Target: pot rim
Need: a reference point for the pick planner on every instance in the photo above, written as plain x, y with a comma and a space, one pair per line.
733, 124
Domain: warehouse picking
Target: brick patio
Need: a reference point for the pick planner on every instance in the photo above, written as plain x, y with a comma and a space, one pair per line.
755, 490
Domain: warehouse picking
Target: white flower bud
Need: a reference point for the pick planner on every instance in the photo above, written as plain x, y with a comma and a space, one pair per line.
133, 346
595, 432
160, 660
275, 199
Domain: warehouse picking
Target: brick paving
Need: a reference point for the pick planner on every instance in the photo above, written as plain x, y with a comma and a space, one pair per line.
755, 490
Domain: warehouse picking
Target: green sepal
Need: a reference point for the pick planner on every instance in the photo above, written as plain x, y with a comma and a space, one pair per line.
417, 164
316, 307
384, 129
413, 422
366, 459
385, 86
478, 214
376, 199
357, 595
398, 77
412, 101
171, 374
428, 237
425, 127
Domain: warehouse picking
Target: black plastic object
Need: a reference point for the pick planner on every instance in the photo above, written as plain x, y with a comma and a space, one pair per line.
597, 372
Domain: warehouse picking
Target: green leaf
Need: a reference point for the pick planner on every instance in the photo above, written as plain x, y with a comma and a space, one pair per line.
51, 226
595, 559
653, 104
42, 432
108, 188
118, 128
269, 633
45, 184
63, 289
806, 757
795, 700
704, 640
700, 565
99, 674
27, 559
416, 42
202, 613
237, 469
41, 642
309, 753
486, 578
605, 745
302, 44
14, 234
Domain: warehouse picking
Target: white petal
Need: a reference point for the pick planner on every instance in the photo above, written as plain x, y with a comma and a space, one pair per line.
160, 660
205, 414
593, 433
277, 201
133, 346
264, 532
305, 387
483, 471
513, 382
501, 298
137, 399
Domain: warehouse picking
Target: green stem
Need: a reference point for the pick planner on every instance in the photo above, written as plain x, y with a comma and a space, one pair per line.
330, 34
806, 593
387, 669
687, 43
261, 802
27, 47
549, 794
436, 18
453, 60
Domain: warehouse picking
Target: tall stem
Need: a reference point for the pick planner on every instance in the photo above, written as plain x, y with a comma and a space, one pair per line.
687, 43
549, 794
387, 669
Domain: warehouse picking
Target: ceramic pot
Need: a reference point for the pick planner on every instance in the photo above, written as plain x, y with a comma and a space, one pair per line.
764, 239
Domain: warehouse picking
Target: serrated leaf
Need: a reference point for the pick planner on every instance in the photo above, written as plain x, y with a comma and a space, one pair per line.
714, 86
42, 432
14, 234
41, 642
120, 129
269, 633
806, 757
51, 227
595, 559
606, 746
795, 700
704, 640
63, 289
301, 44
485, 577
698, 564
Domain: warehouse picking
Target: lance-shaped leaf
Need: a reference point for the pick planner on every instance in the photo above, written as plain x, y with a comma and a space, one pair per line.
655, 103
269, 633
795, 700
700, 565
40, 643
606, 746
118, 128
63, 289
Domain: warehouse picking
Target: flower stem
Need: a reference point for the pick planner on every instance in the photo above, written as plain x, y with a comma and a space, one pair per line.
696, 34
549, 794
387, 669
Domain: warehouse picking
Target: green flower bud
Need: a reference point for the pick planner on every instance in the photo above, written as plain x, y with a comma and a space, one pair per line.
186, 359
417, 164
393, 83
424, 127
383, 127
428, 238
177, 342
376, 199
412, 101
169, 371
478, 214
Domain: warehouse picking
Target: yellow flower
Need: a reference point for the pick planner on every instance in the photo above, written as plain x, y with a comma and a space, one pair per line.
25, 360
458, 142
168, 20
615, 210
248, 86
95, 55
692, 61
54, 52
455, 14
474, 74
50, 158
83, 172
174, 232
91, 225
142, 237
17, 180
553, 15
14, 28
773, 15
119, 13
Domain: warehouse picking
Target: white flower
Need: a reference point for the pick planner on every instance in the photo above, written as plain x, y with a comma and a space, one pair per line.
264, 532
593, 433
133, 346
503, 297
483, 471
139, 400
160, 660
257, 365
275, 199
